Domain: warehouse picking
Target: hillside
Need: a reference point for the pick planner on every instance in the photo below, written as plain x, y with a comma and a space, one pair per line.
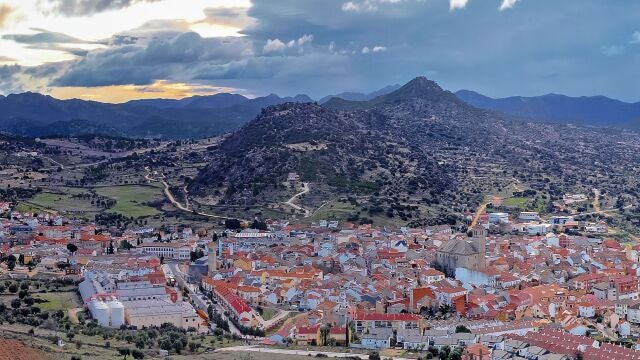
418, 153
594, 110
357, 96
32, 114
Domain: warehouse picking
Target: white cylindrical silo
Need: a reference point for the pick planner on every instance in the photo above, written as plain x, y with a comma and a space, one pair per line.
99, 311
117, 313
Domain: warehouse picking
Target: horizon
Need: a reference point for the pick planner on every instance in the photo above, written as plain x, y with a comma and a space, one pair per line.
120, 51
252, 96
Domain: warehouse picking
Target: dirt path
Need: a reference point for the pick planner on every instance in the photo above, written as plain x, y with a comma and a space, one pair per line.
481, 209
290, 202
176, 203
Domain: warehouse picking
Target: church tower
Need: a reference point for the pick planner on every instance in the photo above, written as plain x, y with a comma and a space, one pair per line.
479, 241
212, 257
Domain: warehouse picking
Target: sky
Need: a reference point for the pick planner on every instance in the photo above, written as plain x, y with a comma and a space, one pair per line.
118, 50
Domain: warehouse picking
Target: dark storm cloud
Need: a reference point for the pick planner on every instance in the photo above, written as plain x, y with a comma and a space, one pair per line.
329, 46
47, 40
9, 79
158, 59
497, 52
88, 7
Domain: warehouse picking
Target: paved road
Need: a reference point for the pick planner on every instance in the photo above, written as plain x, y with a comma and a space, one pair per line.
310, 353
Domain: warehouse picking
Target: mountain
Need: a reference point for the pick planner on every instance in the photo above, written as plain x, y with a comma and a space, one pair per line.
216, 101
586, 110
32, 114
418, 153
356, 96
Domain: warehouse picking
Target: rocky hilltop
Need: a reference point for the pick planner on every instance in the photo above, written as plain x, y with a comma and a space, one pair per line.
419, 149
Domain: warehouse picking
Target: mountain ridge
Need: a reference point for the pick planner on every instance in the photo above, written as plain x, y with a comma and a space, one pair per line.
586, 110
34, 114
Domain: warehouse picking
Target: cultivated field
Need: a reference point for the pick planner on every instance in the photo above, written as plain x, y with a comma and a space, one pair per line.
132, 199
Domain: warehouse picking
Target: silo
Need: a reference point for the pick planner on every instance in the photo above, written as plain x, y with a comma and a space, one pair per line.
117, 313
99, 311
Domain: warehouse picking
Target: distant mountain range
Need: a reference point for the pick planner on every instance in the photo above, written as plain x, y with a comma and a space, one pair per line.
32, 114
585, 110
357, 96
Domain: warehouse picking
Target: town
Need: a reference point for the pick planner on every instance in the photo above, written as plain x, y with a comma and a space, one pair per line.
511, 287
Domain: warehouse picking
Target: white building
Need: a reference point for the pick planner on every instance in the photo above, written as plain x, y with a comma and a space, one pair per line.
498, 218
529, 216
172, 250
146, 313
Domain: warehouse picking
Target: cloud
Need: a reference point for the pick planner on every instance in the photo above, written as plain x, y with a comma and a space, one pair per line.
5, 12
6, 59
279, 46
43, 37
507, 4
274, 45
234, 17
89, 7
457, 4
10, 81
375, 49
366, 5
158, 59
635, 38
612, 50
461, 4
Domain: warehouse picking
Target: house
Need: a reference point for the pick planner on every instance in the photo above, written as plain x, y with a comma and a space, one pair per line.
415, 342
476, 352
371, 322
379, 339
307, 335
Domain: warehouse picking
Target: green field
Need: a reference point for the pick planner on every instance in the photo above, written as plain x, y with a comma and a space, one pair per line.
63, 201
526, 204
57, 301
518, 202
132, 199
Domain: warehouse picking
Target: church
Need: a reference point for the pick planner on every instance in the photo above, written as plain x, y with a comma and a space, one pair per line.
467, 253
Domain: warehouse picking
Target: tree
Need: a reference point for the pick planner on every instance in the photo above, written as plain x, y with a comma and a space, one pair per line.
11, 262
374, 355
137, 354
462, 329
324, 334
13, 288
124, 352
72, 248
444, 352
232, 224
445, 308
15, 303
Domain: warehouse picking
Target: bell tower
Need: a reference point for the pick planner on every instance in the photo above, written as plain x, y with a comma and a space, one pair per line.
212, 257
480, 244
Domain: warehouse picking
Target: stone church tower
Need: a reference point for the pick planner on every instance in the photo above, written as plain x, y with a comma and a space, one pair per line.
212, 257
463, 253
